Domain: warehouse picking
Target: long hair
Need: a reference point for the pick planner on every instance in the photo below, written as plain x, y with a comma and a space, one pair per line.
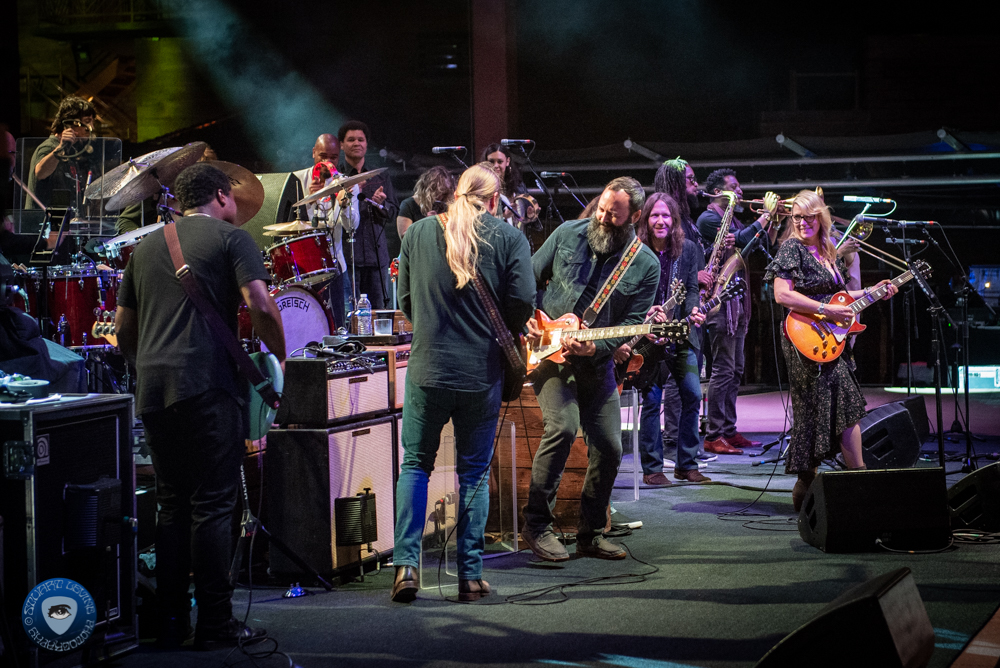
670, 179
675, 241
70, 108
809, 201
434, 190
462, 232
512, 180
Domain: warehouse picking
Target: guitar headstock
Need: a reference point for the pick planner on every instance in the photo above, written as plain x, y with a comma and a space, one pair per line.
672, 330
736, 287
677, 290
922, 268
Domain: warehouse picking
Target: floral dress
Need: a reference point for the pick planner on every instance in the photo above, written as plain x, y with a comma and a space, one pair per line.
826, 398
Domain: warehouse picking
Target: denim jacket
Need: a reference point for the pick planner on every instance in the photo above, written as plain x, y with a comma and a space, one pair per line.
563, 267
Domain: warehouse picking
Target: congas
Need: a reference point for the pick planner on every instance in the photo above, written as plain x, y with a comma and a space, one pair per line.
307, 259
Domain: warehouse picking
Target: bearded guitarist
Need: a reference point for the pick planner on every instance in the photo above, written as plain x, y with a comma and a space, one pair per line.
661, 230
576, 267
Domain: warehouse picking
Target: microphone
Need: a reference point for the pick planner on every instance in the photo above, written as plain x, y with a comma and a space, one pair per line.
868, 200
448, 149
516, 142
375, 204
554, 175
876, 220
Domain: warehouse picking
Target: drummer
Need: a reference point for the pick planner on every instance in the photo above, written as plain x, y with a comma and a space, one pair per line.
339, 215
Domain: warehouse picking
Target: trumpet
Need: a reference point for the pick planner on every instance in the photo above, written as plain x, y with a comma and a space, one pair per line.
784, 206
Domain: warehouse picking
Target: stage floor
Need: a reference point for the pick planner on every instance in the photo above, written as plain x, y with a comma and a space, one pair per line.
718, 574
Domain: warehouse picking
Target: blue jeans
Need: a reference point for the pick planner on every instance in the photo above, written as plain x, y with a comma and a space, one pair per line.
571, 396
474, 416
683, 368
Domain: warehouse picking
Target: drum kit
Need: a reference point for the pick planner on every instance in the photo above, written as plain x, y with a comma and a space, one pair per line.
74, 303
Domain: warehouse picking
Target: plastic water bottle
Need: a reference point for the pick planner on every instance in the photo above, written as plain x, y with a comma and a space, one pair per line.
364, 316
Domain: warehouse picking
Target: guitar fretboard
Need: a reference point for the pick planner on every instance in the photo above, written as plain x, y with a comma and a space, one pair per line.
878, 293
612, 332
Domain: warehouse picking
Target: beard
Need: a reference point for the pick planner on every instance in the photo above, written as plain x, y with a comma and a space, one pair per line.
607, 239
693, 203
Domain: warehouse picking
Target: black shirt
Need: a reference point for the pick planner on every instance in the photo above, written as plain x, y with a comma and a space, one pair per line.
370, 241
59, 190
179, 357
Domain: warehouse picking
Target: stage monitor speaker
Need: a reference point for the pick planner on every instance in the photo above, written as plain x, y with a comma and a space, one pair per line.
888, 438
68, 497
918, 413
308, 470
905, 509
882, 622
974, 501
281, 190
324, 391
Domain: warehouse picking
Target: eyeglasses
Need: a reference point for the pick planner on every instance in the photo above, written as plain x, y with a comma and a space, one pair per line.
797, 218
691, 178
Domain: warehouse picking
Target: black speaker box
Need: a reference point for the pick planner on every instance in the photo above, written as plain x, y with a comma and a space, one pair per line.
917, 409
281, 190
974, 501
68, 497
888, 438
882, 622
847, 511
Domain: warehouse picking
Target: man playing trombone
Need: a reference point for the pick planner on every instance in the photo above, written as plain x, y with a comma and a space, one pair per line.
727, 327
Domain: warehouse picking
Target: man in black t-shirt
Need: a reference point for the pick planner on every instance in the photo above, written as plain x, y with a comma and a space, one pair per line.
192, 399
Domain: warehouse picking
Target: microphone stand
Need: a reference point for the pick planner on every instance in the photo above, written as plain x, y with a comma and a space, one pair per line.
936, 311
570, 191
541, 184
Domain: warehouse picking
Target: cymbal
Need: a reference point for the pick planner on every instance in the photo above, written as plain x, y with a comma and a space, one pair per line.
342, 183
247, 189
294, 227
160, 168
111, 182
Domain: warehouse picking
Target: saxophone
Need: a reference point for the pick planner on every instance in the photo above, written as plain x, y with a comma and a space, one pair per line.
721, 266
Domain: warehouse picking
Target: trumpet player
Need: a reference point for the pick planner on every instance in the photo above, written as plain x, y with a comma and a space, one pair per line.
727, 327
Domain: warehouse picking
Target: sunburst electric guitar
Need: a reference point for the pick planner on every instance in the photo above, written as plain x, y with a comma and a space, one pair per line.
822, 340
553, 331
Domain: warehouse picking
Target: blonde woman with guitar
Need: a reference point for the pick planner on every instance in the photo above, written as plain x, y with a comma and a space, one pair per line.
826, 398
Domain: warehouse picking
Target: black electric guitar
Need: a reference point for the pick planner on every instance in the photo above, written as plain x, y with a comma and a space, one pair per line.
632, 365
653, 353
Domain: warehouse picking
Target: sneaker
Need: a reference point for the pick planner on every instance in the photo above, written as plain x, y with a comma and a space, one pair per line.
546, 545
691, 476
599, 547
655, 480
721, 447
702, 462
230, 634
705, 457
738, 440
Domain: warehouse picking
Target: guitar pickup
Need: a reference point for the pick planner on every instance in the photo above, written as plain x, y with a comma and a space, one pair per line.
819, 330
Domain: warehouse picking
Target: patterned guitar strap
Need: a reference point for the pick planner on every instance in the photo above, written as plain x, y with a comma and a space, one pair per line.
590, 315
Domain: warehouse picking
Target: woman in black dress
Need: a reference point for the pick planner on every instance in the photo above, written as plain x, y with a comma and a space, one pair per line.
826, 398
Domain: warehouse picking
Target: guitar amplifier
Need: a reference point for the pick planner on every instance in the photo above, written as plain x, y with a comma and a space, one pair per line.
324, 391
398, 358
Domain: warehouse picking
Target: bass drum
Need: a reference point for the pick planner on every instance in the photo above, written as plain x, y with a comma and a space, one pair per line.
305, 317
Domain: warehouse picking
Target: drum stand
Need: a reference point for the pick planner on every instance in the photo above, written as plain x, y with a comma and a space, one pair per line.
250, 526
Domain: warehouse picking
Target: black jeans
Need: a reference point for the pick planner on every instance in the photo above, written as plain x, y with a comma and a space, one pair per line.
197, 447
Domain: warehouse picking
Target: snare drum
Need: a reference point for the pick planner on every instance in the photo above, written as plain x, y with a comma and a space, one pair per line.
307, 259
119, 250
304, 316
77, 296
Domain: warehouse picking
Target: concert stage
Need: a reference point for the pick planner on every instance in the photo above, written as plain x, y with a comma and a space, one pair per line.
718, 575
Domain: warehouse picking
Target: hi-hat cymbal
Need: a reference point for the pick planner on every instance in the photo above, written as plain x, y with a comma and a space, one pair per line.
341, 183
157, 171
247, 189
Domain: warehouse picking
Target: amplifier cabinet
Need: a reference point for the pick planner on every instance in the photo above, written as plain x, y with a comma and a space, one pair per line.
398, 358
56, 456
305, 470
320, 392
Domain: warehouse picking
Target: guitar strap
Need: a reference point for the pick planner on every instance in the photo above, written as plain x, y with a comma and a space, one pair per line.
590, 315
183, 272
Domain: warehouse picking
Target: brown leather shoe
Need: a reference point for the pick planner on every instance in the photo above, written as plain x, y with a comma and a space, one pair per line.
655, 480
721, 447
694, 475
738, 440
473, 590
407, 584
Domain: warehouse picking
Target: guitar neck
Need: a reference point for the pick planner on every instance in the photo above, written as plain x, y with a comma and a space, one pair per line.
875, 295
637, 331
668, 306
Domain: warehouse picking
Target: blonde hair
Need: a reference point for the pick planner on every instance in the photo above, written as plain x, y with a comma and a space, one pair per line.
808, 201
476, 187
